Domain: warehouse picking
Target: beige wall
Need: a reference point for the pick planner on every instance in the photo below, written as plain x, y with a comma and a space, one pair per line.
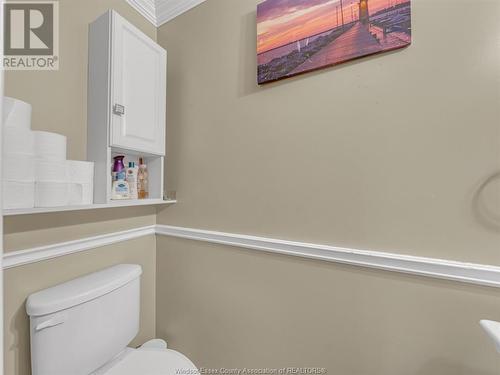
26, 231
59, 102
228, 307
22, 281
385, 153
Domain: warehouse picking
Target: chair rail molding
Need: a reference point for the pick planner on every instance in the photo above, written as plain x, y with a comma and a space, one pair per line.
159, 12
471, 273
41, 253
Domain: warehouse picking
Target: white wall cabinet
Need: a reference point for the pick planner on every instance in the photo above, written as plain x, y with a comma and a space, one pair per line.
126, 101
138, 87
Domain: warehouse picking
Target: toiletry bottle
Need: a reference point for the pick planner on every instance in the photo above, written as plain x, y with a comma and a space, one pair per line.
119, 189
142, 180
132, 172
118, 168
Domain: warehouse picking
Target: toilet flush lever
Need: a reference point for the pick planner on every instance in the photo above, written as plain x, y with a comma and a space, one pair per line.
52, 322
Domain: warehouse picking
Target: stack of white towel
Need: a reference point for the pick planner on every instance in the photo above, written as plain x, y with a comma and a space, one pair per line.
35, 170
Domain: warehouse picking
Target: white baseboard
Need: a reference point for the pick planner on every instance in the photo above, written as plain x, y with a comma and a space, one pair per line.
471, 273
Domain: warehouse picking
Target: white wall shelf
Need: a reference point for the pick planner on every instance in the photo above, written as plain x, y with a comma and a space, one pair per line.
113, 204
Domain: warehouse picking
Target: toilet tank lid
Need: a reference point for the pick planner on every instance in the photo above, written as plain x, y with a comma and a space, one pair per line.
82, 289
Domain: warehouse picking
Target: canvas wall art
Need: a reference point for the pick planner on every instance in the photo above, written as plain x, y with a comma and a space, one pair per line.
298, 36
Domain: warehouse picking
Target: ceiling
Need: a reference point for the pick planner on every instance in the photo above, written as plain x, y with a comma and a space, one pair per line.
160, 11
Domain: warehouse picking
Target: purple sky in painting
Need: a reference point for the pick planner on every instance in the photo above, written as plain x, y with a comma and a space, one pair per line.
270, 9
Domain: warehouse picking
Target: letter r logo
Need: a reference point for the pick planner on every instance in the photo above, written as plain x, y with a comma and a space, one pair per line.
29, 28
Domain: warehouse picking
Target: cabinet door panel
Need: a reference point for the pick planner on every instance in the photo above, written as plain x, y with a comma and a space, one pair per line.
139, 85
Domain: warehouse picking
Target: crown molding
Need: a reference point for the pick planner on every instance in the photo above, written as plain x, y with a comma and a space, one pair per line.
159, 12
167, 10
147, 8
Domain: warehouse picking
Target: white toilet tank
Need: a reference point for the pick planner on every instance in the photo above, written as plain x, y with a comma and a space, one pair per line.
78, 326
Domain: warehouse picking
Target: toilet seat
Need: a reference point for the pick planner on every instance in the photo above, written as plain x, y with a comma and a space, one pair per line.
152, 362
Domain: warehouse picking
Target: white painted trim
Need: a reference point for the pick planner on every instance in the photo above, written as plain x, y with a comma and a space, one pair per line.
167, 10
146, 8
159, 12
429, 267
38, 254
95, 206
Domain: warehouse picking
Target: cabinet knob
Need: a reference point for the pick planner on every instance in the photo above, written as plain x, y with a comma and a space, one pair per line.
119, 109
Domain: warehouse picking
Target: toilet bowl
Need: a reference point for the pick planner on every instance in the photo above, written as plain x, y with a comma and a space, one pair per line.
83, 327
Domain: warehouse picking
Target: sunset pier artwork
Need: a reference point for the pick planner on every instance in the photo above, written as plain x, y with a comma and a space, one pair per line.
298, 36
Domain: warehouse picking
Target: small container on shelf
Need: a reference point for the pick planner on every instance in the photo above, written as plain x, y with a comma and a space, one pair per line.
142, 180
132, 172
141, 173
120, 188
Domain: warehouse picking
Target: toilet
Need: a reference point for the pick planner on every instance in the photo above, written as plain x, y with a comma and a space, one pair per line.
83, 327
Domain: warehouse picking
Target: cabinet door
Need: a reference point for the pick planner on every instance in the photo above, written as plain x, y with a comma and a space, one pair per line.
138, 90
